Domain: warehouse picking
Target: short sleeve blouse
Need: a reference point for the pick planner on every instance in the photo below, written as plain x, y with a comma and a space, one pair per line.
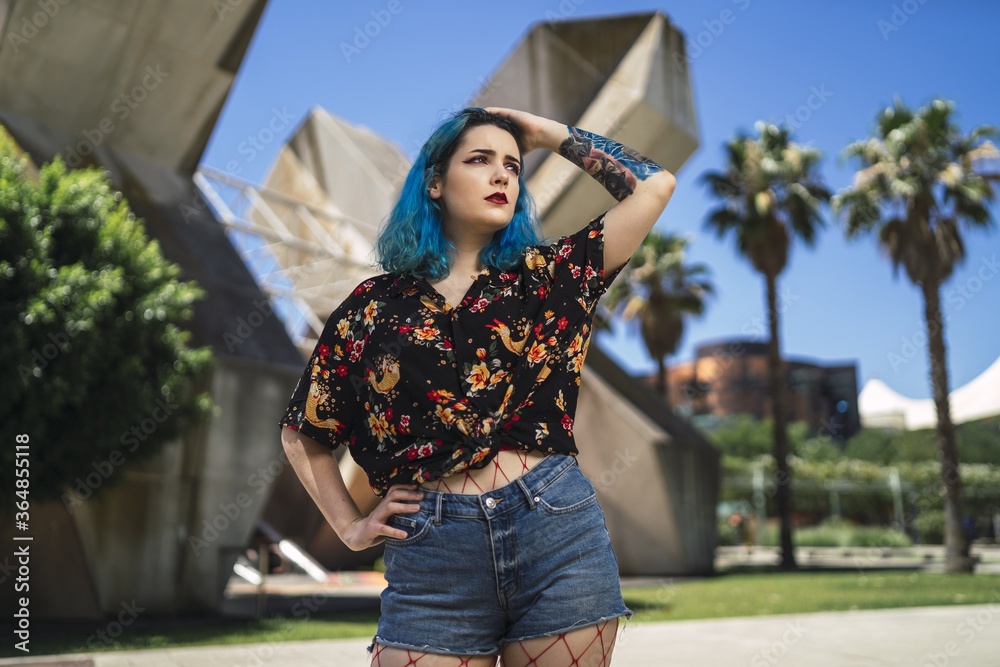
419, 390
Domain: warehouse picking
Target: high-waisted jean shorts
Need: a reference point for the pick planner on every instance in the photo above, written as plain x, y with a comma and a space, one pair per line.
477, 572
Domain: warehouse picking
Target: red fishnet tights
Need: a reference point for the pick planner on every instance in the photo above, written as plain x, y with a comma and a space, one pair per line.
500, 477
589, 646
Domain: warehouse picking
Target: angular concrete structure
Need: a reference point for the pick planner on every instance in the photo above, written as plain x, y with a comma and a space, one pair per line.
136, 88
349, 177
617, 76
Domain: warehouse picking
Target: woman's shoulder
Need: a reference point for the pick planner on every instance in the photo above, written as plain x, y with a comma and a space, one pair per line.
373, 287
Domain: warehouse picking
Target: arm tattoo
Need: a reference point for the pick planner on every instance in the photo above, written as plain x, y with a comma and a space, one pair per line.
614, 165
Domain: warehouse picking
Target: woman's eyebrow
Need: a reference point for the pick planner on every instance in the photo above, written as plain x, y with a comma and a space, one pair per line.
490, 151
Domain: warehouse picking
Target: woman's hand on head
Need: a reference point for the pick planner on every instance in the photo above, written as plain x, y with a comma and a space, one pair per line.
371, 530
537, 132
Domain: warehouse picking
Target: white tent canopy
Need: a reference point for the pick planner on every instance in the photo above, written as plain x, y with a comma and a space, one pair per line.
880, 406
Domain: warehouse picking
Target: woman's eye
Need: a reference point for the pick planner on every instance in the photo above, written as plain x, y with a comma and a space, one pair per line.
515, 167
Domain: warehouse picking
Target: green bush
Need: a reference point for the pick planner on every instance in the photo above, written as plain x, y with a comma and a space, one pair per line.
746, 437
871, 503
96, 370
976, 442
838, 533
930, 526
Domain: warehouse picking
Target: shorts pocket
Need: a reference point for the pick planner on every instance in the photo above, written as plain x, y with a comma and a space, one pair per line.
569, 492
417, 526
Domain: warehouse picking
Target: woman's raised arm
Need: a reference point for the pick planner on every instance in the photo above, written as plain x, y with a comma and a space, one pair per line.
641, 186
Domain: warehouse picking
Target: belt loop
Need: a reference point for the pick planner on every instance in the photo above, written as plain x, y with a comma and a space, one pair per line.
527, 492
437, 509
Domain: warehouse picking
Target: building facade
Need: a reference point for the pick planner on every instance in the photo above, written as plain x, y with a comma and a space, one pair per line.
731, 377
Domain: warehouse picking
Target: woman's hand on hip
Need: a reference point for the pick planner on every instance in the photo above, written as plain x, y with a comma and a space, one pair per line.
537, 132
371, 530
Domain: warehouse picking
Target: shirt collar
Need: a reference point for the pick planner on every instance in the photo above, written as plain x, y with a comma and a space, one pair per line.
407, 279
402, 281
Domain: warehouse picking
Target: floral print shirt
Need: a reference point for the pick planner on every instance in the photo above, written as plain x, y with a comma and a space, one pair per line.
419, 390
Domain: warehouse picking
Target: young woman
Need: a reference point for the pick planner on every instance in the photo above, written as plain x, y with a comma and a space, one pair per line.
453, 380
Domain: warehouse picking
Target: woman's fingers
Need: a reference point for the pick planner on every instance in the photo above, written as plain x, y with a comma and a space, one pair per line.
396, 502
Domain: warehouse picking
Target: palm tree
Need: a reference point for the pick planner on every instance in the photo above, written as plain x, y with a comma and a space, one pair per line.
918, 184
770, 195
659, 289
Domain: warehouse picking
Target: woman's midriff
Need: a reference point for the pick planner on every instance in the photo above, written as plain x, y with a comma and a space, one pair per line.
505, 467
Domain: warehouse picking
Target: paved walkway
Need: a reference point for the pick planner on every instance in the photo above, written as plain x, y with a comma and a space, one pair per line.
966, 635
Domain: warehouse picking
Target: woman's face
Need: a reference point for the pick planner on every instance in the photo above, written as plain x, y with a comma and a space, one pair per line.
485, 163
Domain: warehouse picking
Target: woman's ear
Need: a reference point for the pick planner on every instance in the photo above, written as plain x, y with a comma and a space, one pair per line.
434, 187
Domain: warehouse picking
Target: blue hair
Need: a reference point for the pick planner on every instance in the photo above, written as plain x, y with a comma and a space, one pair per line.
413, 240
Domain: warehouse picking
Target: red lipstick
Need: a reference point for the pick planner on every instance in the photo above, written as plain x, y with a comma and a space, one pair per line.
497, 198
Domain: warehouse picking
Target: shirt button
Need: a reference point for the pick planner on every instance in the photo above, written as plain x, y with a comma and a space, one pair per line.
491, 502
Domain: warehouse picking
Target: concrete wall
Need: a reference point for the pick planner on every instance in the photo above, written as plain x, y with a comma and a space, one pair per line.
617, 76
167, 533
55, 91
658, 492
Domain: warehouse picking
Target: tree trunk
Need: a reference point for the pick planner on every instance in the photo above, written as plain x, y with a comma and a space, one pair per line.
661, 380
955, 541
779, 407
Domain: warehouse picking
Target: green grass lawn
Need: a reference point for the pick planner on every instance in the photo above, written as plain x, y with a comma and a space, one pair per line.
721, 596
803, 592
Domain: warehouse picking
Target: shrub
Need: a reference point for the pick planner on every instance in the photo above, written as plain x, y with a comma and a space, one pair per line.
95, 366
930, 526
838, 533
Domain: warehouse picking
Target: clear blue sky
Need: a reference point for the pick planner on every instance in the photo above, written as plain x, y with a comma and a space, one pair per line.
843, 303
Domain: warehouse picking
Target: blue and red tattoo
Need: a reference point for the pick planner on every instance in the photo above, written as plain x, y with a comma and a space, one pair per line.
614, 165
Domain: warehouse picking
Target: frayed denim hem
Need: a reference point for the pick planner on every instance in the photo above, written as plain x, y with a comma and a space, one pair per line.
427, 648
624, 615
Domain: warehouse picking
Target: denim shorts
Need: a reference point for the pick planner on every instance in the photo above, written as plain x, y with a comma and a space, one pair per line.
477, 572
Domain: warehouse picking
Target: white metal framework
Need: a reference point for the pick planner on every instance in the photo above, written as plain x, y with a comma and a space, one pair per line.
304, 258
